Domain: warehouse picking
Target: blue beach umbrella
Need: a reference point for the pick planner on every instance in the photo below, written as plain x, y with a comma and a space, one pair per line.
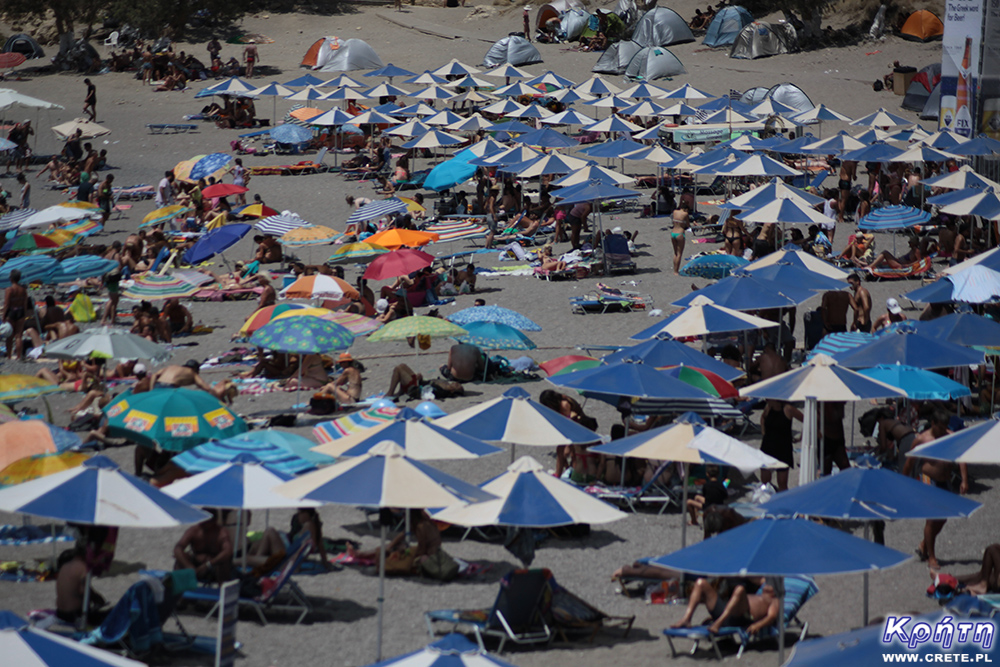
702, 317
495, 336
832, 344
893, 217
208, 165
32, 267
791, 274
975, 444
377, 209
876, 152
289, 133
838, 143
453, 650
907, 345
659, 353
302, 335
268, 446
963, 329
939, 291
765, 194
947, 198
215, 242
787, 211
979, 283
712, 267
545, 137
450, 173
497, 314
14, 219
612, 149
595, 192
881, 118
80, 268
747, 292
981, 145
823, 379
917, 383
303, 81
512, 127
794, 146
231, 86
628, 378
390, 71
242, 483
27, 646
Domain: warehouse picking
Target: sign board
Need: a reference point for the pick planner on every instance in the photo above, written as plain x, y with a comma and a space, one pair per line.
963, 31
229, 606
989, 80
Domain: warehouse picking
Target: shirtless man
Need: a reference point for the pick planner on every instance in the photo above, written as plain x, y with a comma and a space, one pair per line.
848, 172
937, 473
861, 303
268, 297
71, 584
250, 57
768, 364
61, 329
185, 376
178, 317
206, 548
463, 363
833, 308
754, 612
347, 387
885, 257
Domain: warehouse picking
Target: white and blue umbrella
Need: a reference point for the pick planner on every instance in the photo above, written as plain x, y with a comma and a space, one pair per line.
291, 134
786, 211
26, 646
570, 96
593, 192
876, 152
823, 379
748, 292
597, 85
918, 384
345, 93
613, 123
330, 118
529, 497
516, 89
838, 143
628, 378
518, 420
921, 153
231, 86
389, 71
502, 107
497, 314
286, 452
456, 67
553, 163
509, 127
905, 344
984, 203
893, 217
243, 483
788, 273
661, 352
820, 113
546, 138
881, 118
702, 317
944, 139
305, 80
963, 329
413, 128
508, 71
99, 493
372, 117
687, 92
419, 439
965, 177
592, 172
281, 224
433, 93
645, 109
418, 109
756, 165
872, 135
511, 155
377, 209
434, 139
981, 145
976, 444
444, 117
531, 111
643, 90
473, 123
452, 650
771, 107
14, 219
568, 117
801, 259
426, 79
384, 477
341, 81
550, 78
81, 267
657, 154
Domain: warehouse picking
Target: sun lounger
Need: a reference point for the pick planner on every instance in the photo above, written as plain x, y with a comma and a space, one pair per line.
798, 591
170, 128
565, 274
652, 492
617, 258
239, 294
572, 615
269, 600
610, 299
920, 268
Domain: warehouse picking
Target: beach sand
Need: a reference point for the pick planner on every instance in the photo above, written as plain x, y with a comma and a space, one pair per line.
342, 632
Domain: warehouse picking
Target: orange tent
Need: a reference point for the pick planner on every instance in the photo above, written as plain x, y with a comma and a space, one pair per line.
922, 26
319, 52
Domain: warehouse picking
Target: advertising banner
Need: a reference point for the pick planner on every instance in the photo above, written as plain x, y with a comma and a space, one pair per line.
989, 106
963, 29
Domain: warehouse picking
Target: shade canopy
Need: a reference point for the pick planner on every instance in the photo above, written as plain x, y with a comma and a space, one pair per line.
173, 419
27, 646
702, 317
918, 384
976, 444
963, 329
823, 379
905, 344
497, 314
748, 292
243, 483
664, 352
106, 343
286, 452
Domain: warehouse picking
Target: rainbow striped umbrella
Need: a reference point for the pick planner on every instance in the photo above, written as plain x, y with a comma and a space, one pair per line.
357, 252
165, 214
359, 325
353, 423
151, 288
568, 364
262, 316
83, 228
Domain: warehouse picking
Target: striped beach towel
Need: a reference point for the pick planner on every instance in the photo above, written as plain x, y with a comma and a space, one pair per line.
457, 230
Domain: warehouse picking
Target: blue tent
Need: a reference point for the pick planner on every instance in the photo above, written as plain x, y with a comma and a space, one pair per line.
726, 25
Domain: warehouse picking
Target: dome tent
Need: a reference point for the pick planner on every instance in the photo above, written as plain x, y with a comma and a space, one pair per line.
512, 50
754, 96
791, 96
556, 9
726, 25
921, 87
574, 23
661, 27
654, 62
616, 58
932, 107
922, 26
23, 44
332, 54
760, 39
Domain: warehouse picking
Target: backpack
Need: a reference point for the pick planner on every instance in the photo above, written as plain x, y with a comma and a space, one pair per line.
440, 566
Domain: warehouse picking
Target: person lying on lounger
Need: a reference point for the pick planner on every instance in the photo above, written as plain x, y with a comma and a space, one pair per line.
886, 258
751, 611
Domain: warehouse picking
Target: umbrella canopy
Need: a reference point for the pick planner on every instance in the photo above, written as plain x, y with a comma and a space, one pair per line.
33, 269
473, 123
215, 242
613, 123
627, 378
434, 139
838, 143
787, 211
289, 133
976, 444
593, 192
56, 214
833, 343
81, 268
89, 129
756, 165
881, 118
611, 149
907, 345
99, 493
308, 236
703, 317
869, 494
221, 189
319, 287
421, 440
786, 272
453, 650
402, 238
823, 379
351, 253
553, 163
20, 439
530, 497
592, 172
457, 68
801, 259
40, 465
495, 336
893, 217
984, 202
302, 335
14, 219
413, 128
277, 225
373, 117
164, 214
877, 152
531, 111
209, 165
568, 117
660, 353
981, 145
771, 191
26, 646
546, 138
268, 446
965, 177
748, 292
243, 483
330, 118
174, 419
29, 242
398, 263
24, 387
918, 384
354, 423
106, 343
781, 547
149, 287
963, 329
417, 325
707, 381
377, 209
497, 314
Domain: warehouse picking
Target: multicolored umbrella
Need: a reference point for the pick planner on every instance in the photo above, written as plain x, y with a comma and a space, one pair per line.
152, 288
311, 235
40, 465
304, 335
350, 253
213, 164
495, 336
712, 267
359, 325
257, 211
397, 263
497, 314
174, 419
165, 214
23, 387
402, 238
183, 169
20, 439
707, 381
29, 242
569, 364
80, 268
262, 316
319, 287
417, 325
353, 423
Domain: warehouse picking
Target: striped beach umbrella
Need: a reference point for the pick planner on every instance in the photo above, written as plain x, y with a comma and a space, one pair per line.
262, 316
359, 325
80, 268
568, 117
14, 219
880, 118
278, 225
245, 482
165, 214
28, 646
356, 253
319, 287
353, 423
702, 317
597, 85
153, 288
976, 444
893, 217
377, 209
309, 235
32, 268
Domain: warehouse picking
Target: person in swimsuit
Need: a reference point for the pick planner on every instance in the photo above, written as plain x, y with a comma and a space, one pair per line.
848, 172
15, 307
274, 544
206, 548
311, 375
987, 578
347, 387
550, 263
250, 57
776, 439
402, 381
733, 232
682, 220
753, 612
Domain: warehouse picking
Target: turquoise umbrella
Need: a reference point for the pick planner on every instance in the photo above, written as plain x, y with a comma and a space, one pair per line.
917, 383
302, 335
495, 336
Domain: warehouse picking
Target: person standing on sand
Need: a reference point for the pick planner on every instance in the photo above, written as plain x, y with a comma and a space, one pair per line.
848, 172
90, 101
861, 302
527, 22
250, 57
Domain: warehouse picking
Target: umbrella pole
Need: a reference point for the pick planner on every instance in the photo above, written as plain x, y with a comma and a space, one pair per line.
865, 616
781, 629
807, 464
82, 623
381, 594
684, 504
821, 441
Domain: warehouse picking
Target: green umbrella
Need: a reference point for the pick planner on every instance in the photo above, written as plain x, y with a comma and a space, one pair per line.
417, 325
173, 419
307, 334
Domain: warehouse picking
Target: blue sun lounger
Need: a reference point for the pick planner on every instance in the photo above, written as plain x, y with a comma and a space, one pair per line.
170, 128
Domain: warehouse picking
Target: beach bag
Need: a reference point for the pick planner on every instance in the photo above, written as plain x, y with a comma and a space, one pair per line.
440, 566
399, 562
82, 309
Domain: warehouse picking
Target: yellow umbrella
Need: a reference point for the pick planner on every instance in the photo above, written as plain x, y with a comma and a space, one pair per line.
15, 387
311, 235
412, 206
315, 312
33, 467
79, 204
182, 169
164, 214
61, 236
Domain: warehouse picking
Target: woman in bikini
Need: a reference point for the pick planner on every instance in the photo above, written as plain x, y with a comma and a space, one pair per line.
550, 263
733, 232
682, 220
311, 375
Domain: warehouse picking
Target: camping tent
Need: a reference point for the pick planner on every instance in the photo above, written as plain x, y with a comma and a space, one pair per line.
754, 96
760, 39
922, 26
661, 27
726, 25
332, 54
921, 87
790, 95
512, 50
616, 58
574, 23
654, 62
556, 9
932, 107
23, 44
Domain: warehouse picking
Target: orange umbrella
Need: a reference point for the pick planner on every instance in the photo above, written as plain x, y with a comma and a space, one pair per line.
401, 238
21, 439
305, 113
319, 287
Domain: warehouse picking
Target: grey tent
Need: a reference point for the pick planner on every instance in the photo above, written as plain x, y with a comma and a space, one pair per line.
512, 50
921, 86
661, 27
616, 58
760, 39
654, 62
754, 96
24, 44
352, 54
629, 14
726, 25
574, 22
790, 95
931, 110
555, 9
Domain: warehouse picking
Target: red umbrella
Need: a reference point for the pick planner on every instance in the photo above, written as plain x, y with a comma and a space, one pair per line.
11, 60
398, 263
568, 364
223, 190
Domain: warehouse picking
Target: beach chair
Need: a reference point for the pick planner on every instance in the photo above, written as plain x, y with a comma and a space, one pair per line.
170, 128
609, 299
572, 615
652, 492
516, 616
798, 591
920, 268
617, 258
270, 598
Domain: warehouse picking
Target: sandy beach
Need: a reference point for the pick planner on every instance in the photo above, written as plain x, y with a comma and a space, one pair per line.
342, 631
